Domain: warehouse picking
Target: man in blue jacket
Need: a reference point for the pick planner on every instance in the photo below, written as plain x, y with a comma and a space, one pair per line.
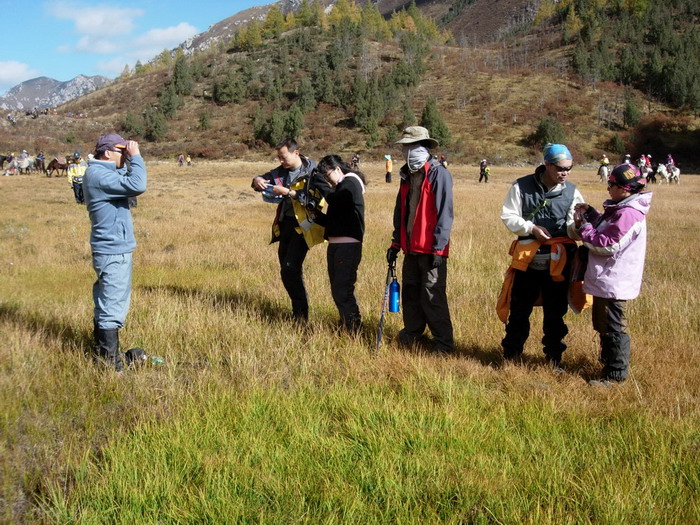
107, 186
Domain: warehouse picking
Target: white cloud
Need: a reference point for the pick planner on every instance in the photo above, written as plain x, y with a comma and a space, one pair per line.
104, 20
156, 40
13, 72
88, 44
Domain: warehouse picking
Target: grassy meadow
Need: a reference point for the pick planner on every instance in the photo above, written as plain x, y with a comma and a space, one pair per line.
253, 419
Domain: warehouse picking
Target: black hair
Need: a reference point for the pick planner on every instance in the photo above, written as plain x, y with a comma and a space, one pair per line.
636, 186
331, 162
288, 143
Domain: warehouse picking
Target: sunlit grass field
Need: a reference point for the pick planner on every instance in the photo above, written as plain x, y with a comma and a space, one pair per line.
254, 419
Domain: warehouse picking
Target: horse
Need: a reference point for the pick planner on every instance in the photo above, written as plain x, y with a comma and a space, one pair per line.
25, 165
674, 175
58, 167
603, 172
651, 176
662, 172
3, 158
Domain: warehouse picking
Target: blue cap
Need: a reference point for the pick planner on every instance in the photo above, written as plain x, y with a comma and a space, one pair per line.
556, 153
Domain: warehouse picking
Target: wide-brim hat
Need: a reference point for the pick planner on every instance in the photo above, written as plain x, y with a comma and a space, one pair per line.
413, 134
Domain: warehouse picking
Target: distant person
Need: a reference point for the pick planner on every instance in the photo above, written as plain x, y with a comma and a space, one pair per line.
616, 242
40, 161
603, 168
76, 171
344, 229
670, 163
107, 185
627, 159
181, 160
423, 218
355, 161
539, 209
389, 165
443, 161
189, 160
484, 171
299, 191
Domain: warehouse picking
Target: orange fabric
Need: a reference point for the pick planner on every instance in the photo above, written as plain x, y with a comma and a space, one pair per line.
522, 253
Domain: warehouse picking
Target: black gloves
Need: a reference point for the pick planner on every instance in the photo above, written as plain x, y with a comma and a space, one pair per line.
391, 255
436, 260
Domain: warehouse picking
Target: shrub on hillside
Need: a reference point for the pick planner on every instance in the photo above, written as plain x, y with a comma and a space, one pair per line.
548, 130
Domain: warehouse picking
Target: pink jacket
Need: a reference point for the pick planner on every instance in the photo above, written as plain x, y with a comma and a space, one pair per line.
617, 246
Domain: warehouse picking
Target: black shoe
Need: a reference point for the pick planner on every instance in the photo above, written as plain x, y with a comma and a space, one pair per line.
107, 348
555, 365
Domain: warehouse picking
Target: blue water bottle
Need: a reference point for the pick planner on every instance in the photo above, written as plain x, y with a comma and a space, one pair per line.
394, 294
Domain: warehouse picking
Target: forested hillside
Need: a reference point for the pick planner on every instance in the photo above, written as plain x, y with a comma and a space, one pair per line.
651, 45
611, 76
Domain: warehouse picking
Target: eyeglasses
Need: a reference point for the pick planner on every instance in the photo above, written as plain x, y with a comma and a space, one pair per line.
562, 168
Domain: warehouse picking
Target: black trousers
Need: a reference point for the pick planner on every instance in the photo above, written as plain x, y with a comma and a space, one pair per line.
291, 253
343, 261
424, 297
78, 193
609, 321
483, 175
527, 287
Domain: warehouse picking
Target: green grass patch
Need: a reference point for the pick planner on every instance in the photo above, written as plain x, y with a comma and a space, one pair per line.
427, 451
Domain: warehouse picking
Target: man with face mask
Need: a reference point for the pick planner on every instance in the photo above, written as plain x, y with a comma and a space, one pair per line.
108, 184
423, 218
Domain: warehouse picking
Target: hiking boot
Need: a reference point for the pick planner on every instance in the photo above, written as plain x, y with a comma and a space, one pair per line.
107, 348
555, 365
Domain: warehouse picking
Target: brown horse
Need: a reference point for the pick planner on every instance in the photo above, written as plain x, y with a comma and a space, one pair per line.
57, 166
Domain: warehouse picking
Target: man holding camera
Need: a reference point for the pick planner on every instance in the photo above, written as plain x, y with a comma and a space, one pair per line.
299, 191
107, 186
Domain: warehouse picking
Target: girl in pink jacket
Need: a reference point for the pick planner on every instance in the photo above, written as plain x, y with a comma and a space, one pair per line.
616, 242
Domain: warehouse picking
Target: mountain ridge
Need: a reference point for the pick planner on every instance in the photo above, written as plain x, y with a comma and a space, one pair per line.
45, 92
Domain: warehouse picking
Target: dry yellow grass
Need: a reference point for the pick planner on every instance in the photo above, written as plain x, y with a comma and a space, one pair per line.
207, 297
203, 235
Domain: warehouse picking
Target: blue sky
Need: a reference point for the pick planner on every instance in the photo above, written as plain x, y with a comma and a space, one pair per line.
62, 39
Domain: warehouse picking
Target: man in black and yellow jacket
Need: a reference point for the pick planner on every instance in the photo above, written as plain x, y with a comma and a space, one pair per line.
299, 191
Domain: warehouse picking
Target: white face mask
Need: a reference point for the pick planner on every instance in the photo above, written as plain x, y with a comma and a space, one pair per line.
415, 155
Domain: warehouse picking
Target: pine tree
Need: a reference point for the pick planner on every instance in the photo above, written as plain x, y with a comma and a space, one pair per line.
548, 130
294, 122
631, 114
434, 123
306, 95
274, 22
169, 101
155, 125
182, 77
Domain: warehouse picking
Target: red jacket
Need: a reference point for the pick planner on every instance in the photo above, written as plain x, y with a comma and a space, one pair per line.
434, 212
